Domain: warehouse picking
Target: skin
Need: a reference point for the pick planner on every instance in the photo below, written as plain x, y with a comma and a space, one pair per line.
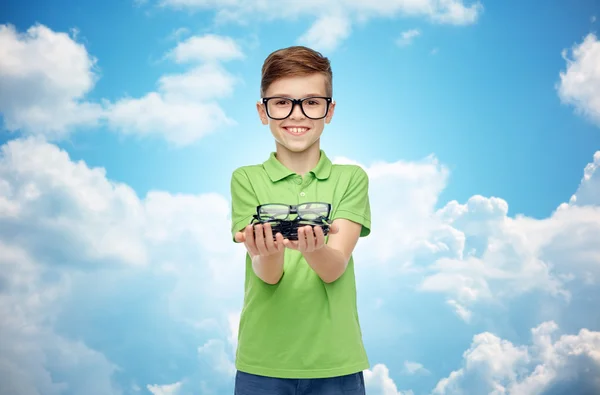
300, 154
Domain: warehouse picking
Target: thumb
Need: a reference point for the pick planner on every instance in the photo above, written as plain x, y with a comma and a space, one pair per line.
334, 228
240, 237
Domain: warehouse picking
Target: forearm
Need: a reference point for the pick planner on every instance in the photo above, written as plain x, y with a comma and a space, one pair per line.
268, 268
327, 262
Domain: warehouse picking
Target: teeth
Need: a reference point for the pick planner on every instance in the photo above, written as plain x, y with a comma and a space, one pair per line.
297, 130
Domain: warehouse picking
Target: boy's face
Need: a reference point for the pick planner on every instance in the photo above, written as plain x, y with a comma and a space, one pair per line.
297, 132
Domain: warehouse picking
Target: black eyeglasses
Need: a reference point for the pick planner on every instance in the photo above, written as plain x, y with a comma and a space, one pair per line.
315, 107
278, 216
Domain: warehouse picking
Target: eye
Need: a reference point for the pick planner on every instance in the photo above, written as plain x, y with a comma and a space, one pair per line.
281, 102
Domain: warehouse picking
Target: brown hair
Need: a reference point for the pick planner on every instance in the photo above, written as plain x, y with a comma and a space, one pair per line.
292, 62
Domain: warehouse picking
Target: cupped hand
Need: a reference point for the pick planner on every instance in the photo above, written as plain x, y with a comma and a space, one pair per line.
310, 239
258, 240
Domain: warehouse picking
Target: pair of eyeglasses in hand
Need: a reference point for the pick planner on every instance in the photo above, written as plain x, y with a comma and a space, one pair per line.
286, 219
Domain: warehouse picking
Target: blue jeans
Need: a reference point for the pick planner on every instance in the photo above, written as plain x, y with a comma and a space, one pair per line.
250, 384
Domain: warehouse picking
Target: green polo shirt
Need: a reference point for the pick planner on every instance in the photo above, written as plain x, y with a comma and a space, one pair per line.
300, 327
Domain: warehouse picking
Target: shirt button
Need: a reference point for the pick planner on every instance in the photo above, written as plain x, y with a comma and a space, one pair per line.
302, 194
299, 180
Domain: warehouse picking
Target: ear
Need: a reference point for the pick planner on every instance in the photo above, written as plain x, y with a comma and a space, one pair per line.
262, 113
330, 112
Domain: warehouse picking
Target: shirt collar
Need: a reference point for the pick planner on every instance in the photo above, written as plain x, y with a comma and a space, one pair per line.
323, 167
277, 171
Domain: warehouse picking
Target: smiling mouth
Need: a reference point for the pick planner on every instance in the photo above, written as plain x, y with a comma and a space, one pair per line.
296, 131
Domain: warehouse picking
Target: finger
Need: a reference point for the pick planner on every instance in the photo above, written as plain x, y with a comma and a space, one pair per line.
301, 239
334, 228
279, 242
290, 244
320, 237
269, 242
310, 238
249, 240
240, 237
260, 240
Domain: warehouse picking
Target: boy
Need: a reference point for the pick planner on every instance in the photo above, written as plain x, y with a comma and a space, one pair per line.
299, 330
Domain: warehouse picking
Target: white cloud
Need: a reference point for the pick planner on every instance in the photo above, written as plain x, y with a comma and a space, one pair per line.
43, 94
456, 13
75, 240
569, 364
44, 78
378, 382
474, 253
460, 310
489, 258
202, 83
51, 195
569, 244
334, 18
234, 321
214, 352
179, 33
30, 297
179, 122
579, 84
444, 11
588, 192
207, 48
407, 191
411, 368
326, 33
184, 108
506, 257
406, 38
167, 389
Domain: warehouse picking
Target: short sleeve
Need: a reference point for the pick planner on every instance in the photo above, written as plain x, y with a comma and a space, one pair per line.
354, 204
243, 201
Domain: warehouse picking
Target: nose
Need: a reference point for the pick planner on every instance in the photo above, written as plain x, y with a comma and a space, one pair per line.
297, 112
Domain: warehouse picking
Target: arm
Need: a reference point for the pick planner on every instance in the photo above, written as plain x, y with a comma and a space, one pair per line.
266, 254
268, 268
351, 221
331, 260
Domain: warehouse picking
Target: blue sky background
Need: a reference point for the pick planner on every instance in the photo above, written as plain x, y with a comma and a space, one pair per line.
119, 274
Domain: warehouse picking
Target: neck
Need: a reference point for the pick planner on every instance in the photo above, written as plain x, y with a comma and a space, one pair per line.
299, 162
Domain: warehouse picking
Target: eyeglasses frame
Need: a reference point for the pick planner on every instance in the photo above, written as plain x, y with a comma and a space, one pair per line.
298, 102
292, 209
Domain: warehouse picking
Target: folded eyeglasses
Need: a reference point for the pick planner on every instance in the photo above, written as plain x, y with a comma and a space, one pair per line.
286, 219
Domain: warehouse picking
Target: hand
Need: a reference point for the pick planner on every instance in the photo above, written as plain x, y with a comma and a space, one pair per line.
259, 240
310, 239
